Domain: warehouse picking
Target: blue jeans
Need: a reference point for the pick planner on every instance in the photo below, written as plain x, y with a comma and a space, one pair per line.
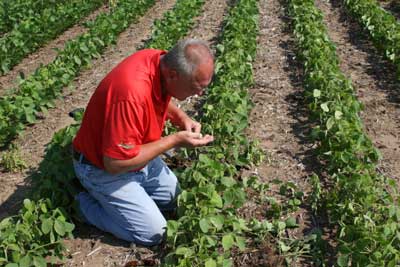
128, 205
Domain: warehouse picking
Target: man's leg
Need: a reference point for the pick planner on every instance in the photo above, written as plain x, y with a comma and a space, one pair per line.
120, 205
161, 184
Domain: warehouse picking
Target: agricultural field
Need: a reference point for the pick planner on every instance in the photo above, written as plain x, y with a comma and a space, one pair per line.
304, 107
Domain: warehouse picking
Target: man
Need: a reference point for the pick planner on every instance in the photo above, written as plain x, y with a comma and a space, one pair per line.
116, 151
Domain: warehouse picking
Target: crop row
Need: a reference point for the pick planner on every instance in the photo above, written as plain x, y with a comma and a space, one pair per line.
55, 183
36, 30
209, 231
37, 92
13, 12
208, 228
383, 27
359, 201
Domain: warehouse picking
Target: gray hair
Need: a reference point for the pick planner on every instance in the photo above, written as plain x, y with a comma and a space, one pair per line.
179, 59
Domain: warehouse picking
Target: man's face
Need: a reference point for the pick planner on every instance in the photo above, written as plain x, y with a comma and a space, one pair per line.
186, 85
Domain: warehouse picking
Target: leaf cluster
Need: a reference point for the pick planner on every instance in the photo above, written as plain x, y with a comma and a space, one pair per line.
38, 28
171, 27
36, 233
382, 26
13, 12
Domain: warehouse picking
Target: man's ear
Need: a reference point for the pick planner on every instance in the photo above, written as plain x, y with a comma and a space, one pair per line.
173, 74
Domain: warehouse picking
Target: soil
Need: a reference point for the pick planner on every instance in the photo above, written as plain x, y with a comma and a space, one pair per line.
374, 82
45, 54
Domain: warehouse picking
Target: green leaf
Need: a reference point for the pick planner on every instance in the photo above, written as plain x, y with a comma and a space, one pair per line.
28, 204
69, 227
26, 261
16, 255
211, 263
47, 225
216, 200
338, 114
59, 227
77, 60
30, 118
281, 226
329, 123
291, 222
283, 246
5, 223
217, 221
12, 265
316, 93
204, 225
227, 241
228, 181
184, 251
172, 228
39, 262
343, 260
227, 263
241, 243
324, 107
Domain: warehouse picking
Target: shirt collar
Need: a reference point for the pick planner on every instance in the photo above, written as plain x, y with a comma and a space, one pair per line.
157, 87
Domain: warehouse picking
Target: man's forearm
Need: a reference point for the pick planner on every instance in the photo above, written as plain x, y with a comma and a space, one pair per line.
147, 152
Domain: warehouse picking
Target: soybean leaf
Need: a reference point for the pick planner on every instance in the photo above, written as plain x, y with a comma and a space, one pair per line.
227, 241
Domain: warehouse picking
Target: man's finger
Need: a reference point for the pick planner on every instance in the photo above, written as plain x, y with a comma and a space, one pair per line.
195, 135
197, 127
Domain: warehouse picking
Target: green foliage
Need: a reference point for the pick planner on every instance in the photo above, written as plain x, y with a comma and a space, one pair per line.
36, 93
36, 233
361, 202
38, 28
382, 26
13, 12
12, 161
168, 30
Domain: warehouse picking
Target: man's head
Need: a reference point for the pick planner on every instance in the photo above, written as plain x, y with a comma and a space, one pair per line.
187, 69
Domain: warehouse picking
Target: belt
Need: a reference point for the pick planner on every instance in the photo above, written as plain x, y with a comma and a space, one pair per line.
80, 157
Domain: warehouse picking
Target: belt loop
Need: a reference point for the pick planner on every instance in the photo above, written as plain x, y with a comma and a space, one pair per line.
80, 157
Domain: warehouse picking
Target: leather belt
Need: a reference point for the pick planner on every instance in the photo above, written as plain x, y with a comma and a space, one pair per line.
80, 157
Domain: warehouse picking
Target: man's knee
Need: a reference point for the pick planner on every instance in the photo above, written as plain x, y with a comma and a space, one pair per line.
151, 233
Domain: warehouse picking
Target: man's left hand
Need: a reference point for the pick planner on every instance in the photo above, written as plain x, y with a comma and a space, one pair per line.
190, 125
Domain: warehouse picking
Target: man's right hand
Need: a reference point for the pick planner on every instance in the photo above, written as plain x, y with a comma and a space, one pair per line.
192, 139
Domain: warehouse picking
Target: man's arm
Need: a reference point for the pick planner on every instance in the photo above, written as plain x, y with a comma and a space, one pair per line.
180, 119
151, 150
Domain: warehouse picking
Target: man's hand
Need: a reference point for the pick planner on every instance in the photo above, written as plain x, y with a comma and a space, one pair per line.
193, 139
190, 125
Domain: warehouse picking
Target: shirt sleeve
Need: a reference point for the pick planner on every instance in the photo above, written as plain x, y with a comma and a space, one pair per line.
123, 130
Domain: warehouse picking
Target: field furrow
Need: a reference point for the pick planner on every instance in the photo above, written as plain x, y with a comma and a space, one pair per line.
278, 120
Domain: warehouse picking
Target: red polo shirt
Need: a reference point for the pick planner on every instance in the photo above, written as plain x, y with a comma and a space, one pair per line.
126, 110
